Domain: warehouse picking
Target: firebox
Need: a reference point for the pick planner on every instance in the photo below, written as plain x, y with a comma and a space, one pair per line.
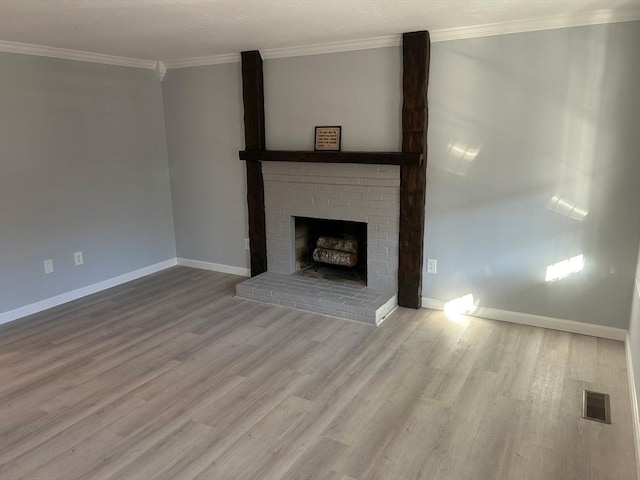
332, 249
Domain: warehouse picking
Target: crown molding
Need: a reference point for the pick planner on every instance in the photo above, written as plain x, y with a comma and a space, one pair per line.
334, 47
444, 35
203, 61
77, 55
477, 31
160, 70
534, 25
316, 49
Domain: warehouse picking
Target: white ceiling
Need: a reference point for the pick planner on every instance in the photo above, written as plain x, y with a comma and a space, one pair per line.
179, 29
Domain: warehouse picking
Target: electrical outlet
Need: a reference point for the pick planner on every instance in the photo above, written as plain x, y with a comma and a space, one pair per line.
78, 258
432, 265
247, 245
48, 266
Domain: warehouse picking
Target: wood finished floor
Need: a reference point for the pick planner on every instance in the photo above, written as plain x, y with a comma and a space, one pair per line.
171, 377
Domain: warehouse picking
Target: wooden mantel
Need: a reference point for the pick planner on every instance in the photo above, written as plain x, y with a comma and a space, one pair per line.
372, 158
412, 161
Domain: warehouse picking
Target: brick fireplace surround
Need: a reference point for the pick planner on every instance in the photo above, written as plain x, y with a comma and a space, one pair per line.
356, 192
360, 193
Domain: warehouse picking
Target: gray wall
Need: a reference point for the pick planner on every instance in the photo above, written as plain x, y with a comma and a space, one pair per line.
515, 121
361, 91
83, 166
204, 133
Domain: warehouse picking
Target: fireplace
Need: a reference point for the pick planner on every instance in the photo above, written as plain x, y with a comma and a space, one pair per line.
406, 236
304, 202
317, 238
364, 194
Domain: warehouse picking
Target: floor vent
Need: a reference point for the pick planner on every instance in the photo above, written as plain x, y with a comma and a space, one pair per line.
595, 406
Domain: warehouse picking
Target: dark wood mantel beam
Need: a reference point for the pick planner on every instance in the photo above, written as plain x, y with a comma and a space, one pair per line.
366, 158
416, 48
254, 134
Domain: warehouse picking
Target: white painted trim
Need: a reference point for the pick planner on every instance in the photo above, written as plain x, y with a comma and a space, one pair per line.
216, 267
77, 55
537, 321
476, 31
387, 309
51, 302
316, 49
504, 28
535, 25
635, 413
203, 61
160, 71
334, 47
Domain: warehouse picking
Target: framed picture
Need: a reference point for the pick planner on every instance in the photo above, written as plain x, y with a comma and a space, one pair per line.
328, 139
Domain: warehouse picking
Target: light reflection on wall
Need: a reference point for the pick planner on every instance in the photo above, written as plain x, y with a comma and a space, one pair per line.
568, 209
565, 268
461, 157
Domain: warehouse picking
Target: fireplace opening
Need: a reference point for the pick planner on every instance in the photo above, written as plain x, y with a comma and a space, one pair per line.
331, 249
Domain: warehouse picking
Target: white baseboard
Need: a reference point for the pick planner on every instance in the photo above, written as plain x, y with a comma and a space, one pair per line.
51, 302
83, 292
537, 321
635, 413
216, 267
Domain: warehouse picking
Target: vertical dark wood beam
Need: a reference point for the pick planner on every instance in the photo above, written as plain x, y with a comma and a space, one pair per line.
416, 47
254, 135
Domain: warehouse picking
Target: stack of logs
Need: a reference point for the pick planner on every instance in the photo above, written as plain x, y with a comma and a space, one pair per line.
336, 251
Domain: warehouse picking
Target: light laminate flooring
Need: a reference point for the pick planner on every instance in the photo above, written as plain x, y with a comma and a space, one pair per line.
170, 377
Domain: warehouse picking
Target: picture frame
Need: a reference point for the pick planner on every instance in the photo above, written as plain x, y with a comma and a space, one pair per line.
328, 138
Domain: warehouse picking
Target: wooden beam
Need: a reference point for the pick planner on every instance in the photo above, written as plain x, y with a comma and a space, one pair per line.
254, 134
371, 158
415, 114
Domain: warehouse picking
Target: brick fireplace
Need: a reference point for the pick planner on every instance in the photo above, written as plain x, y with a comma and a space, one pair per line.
368, 194
360, 193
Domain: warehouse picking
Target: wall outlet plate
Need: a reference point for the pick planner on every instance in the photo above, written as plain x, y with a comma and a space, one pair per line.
432, 265
48, 266
77, 257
